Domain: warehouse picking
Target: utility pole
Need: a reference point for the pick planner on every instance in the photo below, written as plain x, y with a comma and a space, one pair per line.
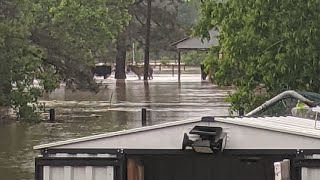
147, 43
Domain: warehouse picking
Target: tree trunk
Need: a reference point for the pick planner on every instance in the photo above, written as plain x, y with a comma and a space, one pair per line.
147, 46
121, 58
5, 90
5, 83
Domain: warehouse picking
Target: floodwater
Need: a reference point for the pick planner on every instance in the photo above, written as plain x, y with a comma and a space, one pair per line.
116, 107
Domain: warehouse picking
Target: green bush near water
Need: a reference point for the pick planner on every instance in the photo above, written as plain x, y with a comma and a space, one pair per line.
270, 43
193, 57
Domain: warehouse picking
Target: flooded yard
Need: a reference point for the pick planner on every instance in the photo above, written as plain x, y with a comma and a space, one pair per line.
116, 107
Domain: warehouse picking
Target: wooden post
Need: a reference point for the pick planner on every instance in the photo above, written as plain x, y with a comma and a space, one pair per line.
241, 111
184, 67
135, 169
179, 65
172, 70
159, 67
144, 117
52, 115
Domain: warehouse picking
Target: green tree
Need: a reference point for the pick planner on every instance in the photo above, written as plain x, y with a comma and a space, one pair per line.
193, 57
76, 33
188, 12
49, 41
274, 44
167, 25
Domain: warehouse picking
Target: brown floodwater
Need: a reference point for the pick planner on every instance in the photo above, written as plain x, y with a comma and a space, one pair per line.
116, 107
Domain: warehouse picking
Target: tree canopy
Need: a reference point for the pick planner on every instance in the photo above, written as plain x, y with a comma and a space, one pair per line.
170, 21
50, 41
269, 44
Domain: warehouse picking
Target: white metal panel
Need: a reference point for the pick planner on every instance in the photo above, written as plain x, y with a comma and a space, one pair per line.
242, 133
78, 173
103, 173
118, 133
162, 138
243, 137
238, 137
83, 155
100, 173
57, 173
310, 173
292, 125
46, 173
288, 124
68, 173
89, 173
109, 172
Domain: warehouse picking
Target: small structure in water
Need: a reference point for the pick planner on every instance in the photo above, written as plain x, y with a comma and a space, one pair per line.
195, 43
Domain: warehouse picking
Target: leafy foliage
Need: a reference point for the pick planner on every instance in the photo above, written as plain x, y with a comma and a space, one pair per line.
269, 44
188, 12
164, 23
193, 57
170, 21
48, 41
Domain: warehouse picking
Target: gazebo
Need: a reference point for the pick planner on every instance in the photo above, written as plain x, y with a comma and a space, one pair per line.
194, 43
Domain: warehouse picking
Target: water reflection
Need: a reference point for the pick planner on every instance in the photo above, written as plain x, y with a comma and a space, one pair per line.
146, 91
148, 106
82, 113
121, 90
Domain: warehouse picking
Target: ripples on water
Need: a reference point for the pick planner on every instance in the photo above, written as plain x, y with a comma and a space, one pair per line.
83, 113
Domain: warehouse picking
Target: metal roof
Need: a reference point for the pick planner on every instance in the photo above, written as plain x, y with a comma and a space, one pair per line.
286, 124
117, 133
243, 133
195, 43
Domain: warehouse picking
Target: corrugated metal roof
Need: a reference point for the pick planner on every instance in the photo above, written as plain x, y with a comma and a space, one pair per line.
288, 125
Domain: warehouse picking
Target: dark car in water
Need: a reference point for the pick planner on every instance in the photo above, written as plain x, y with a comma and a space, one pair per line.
102, 70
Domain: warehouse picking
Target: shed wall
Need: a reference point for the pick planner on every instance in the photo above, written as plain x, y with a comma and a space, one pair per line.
206, 167
78, 173
310, 173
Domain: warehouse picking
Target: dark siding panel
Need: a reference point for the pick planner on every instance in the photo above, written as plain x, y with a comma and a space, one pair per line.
207, 168
182, 168
201, 173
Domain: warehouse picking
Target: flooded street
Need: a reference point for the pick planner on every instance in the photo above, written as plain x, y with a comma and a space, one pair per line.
116, 107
